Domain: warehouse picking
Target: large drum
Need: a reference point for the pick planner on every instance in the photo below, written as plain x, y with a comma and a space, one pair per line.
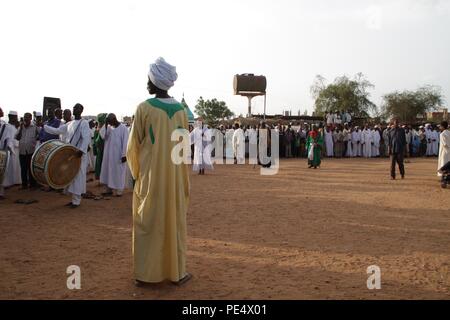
3, 164
55, 163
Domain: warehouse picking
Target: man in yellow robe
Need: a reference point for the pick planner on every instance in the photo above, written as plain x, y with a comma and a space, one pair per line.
161, 192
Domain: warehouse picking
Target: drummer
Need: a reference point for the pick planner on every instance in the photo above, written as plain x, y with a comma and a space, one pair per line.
78, 134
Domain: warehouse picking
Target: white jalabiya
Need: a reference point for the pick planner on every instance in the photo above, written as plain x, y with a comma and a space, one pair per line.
329, 143
5, 143
356, 143
366, 140
435, 143
444, 149
348, 141
229, 152
239, 145
376, 138
78, 134
113, 169
201, 138
13, 174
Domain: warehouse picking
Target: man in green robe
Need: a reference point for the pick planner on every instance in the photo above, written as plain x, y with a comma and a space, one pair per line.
99, 145
314, 144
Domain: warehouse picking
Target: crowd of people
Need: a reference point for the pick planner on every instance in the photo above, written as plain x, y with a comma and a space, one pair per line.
102, 144
339, 141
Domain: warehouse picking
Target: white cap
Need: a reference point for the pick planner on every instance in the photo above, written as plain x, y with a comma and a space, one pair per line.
12, 113
38, 114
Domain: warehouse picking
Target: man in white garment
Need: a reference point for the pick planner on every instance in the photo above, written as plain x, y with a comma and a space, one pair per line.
229, 152
91, 156
429, 137
347, 140
330, 119
376, 138
329, 145
435, 142
14, 174
114, 161
356, 142
201, 137
6, 145
239, 144
408, 140
78, 134
252, 135
444, 147
366, 141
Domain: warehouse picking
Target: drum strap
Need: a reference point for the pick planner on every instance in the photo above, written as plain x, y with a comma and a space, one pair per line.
75, 133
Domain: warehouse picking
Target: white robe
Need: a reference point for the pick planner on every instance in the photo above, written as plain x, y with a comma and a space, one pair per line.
348, 141
444, 149
6, 144
239, 145
435, 143
376, 138
13, 175
80, 138
201, 138
366, 140
229, 152
356, 147
329, 143
113, 169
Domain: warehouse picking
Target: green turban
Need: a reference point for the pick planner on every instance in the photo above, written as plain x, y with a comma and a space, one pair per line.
101, 118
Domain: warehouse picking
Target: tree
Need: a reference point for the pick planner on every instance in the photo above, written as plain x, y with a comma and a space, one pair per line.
212, 111
407, 105
344, 94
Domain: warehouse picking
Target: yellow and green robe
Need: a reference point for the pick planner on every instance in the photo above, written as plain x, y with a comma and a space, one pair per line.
161, 192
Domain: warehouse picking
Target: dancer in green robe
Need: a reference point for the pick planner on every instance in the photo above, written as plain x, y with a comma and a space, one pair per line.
99, 145
314, 144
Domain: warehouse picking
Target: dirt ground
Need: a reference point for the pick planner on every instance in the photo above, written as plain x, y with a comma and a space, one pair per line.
301, 234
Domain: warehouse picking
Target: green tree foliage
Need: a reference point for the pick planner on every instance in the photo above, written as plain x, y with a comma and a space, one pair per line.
344, 94
212, 111
407, 105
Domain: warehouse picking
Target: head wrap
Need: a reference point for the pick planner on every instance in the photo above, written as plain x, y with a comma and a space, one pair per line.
101, 118
162, 74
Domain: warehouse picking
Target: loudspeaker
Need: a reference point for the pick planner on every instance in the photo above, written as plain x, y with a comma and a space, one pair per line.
50, 104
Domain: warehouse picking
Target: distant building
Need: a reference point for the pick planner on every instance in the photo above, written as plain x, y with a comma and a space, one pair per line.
438, 116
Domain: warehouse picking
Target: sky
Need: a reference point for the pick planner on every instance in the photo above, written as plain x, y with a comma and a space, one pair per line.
97, 52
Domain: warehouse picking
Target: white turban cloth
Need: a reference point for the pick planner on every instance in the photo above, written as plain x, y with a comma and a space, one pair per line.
162, 74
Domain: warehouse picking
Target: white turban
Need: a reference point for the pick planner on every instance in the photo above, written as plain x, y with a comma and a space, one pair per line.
162, 74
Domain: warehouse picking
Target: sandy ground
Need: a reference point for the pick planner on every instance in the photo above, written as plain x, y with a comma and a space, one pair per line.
302, 234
